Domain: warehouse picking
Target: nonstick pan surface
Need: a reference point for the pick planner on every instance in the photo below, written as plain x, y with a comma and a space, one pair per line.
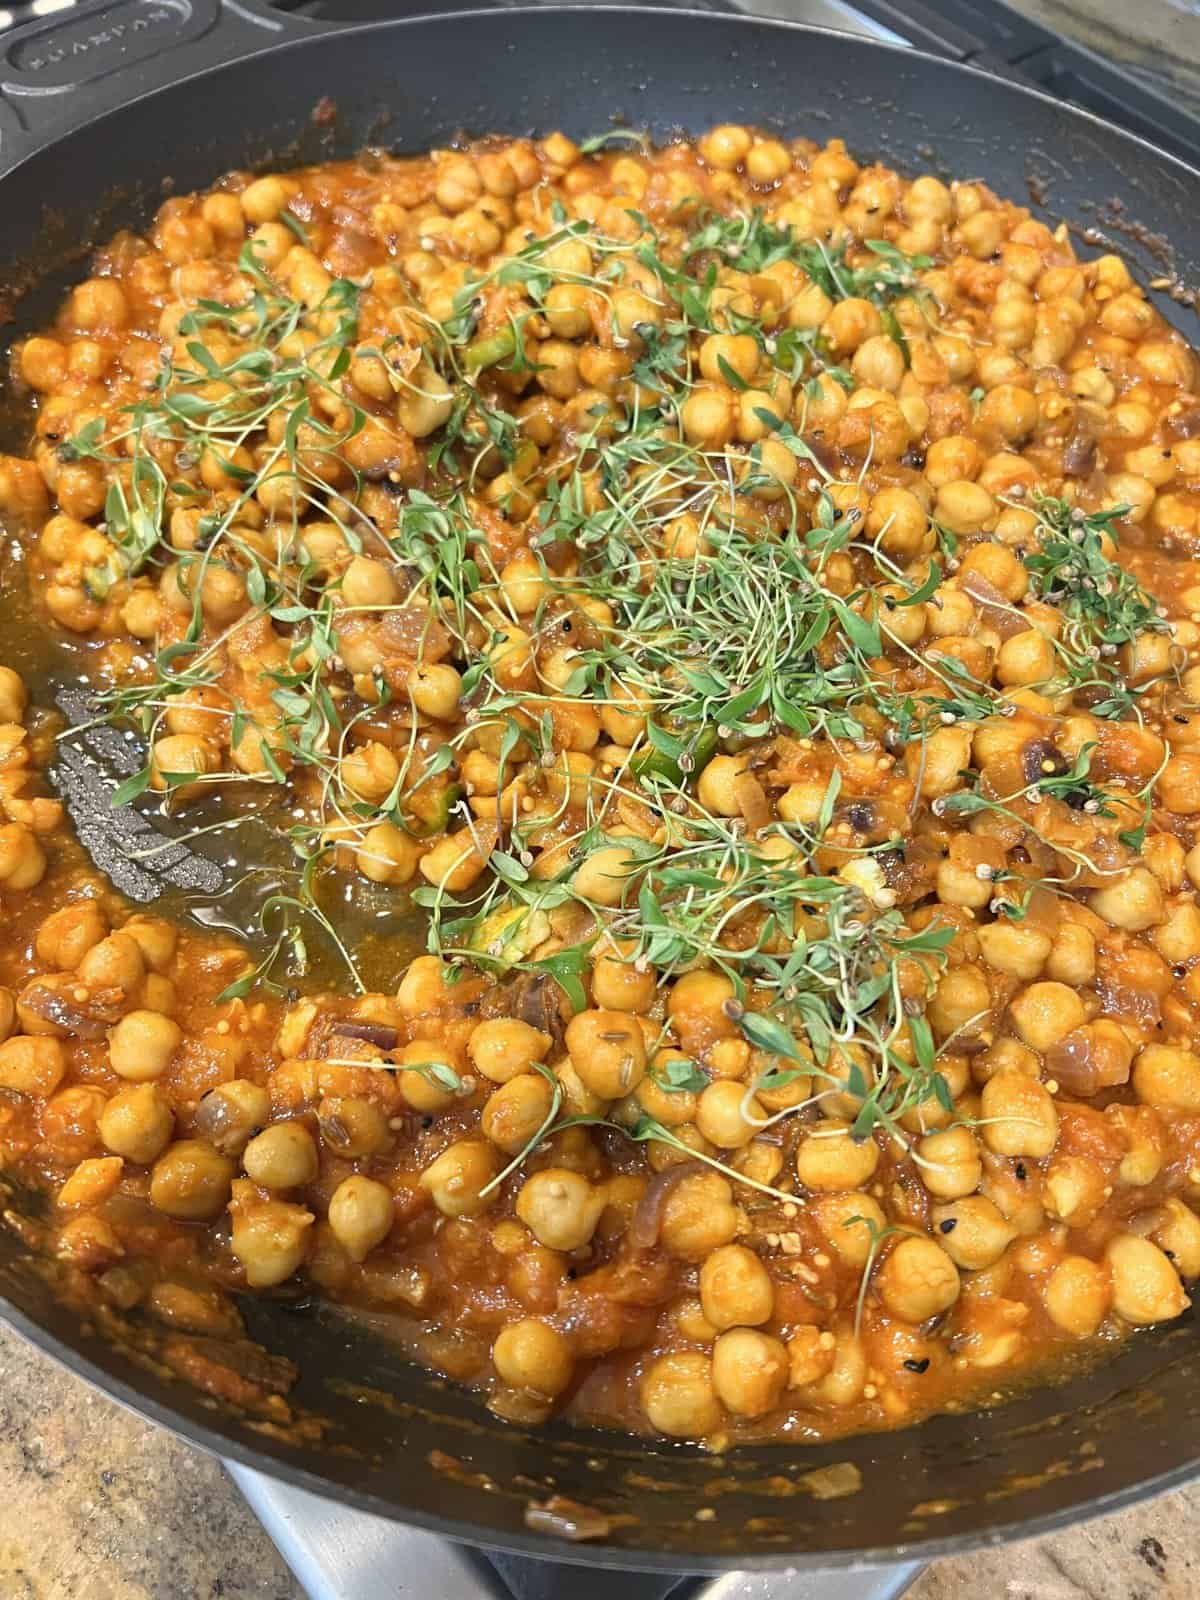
150, 108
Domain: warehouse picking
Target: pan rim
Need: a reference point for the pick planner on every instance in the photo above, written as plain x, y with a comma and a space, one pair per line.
543, 1547
326, 33
547, 1548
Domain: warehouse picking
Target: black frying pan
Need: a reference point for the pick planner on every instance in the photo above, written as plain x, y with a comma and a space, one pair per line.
177, 91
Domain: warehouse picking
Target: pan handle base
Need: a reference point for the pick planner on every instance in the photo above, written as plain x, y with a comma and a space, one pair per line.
62, 70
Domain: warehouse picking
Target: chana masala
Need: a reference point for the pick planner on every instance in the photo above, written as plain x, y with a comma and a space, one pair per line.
743, 605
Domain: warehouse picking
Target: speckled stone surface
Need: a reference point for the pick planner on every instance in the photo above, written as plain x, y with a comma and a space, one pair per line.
1156, 40
97, 1505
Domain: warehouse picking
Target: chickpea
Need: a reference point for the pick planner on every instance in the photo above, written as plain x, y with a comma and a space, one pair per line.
282, 1156
455, 862
846, 1378
898, 520
136, 1124
699, 1216
918, 1280
879, 363
560, 1208
1015, 949
717, 785
269, 1238
423, 988
99, 304
708, 416
1072, 955
960, 885
156, 939
1128, 315
674, 1108
13, 697
224, 214
726, 1117
749, 1370
370, 772
981, 234
504, 1047
180, 758
724, 149
1012, 411
607, 875
361, 1212
973, 1232
387, 854
265, 198
608, 1051
1007, 1053
735, 1288
191, 1181
423, 1088
32, 1064
1077, 1296
1133, 902
523, 582
850, 324
455, 1180
949, 1163
352, 1127
946, 754
831, 1158
1026, 658
964, 507
369, 584
1074, 1189
424, 404
1145, 1286
1046, 1012
43, 364
532, 1355
22, 859
846, 1221
767, 161
1019, 1116
141, 1045
1141, 1134
1168, 1077
435, 690
678, 1396
567, 310
619, 985
516, 1111
459, 185
222, 595
736, 351
66, 936
231, 1114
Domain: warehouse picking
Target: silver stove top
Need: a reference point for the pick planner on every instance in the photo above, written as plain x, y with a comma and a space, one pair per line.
341, 1554
338, 1554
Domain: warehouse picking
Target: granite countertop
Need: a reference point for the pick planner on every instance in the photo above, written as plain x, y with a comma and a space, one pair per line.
99, 1505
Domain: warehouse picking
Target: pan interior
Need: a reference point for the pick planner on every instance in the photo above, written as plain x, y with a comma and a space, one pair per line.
1098, 1440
